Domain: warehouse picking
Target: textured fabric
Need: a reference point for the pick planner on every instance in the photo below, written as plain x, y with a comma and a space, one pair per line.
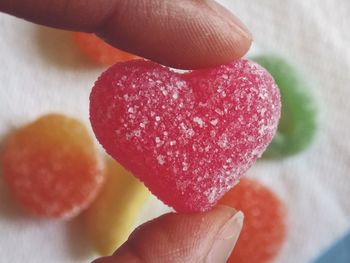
43, 72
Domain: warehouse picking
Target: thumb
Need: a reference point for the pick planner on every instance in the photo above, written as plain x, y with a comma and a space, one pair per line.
202, 237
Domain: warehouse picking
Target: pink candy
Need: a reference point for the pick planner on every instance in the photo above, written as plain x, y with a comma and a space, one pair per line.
189, 137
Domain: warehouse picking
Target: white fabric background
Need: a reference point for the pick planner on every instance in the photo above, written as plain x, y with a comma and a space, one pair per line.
43, 72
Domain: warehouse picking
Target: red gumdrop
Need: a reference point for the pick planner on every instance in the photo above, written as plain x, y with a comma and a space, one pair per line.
99, 51
264, 229
189, 137
51, 167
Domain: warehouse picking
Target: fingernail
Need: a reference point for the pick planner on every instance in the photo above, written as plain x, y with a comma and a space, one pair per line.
226, 239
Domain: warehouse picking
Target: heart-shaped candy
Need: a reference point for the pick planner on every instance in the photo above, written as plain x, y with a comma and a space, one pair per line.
189, 137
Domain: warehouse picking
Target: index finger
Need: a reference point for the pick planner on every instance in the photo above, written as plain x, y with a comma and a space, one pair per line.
182, 34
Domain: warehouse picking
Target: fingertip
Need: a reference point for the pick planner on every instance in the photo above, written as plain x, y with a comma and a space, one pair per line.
180, 34
182, 238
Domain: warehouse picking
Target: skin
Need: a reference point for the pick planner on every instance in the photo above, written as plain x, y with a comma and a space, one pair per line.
173, 238
182, 34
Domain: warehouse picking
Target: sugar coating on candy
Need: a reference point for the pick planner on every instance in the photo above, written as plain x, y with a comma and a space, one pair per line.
99, 51
188, 137
264, 229
51, 167
298, 123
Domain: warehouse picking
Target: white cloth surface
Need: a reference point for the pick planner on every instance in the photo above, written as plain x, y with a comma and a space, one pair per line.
43, 72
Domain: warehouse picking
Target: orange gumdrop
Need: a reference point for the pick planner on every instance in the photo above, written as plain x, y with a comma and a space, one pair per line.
99, 51
51, 167
264, 228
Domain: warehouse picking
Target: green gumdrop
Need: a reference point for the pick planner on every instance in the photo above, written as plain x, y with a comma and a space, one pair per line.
298, 117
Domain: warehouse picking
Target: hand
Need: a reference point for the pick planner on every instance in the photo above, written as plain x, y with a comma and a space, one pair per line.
183, 34
203, 237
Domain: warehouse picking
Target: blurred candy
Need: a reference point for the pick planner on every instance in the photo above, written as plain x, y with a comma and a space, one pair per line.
298, 117
99, 51
188, 137
51, 167
112, 215
264, 228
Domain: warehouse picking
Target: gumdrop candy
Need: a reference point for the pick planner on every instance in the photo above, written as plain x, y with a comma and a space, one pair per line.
298, 122
188, 136
51, 167
264, 230
111, 217
99, 51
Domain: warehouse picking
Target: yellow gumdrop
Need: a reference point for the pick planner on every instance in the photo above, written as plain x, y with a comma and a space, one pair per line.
111, 217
